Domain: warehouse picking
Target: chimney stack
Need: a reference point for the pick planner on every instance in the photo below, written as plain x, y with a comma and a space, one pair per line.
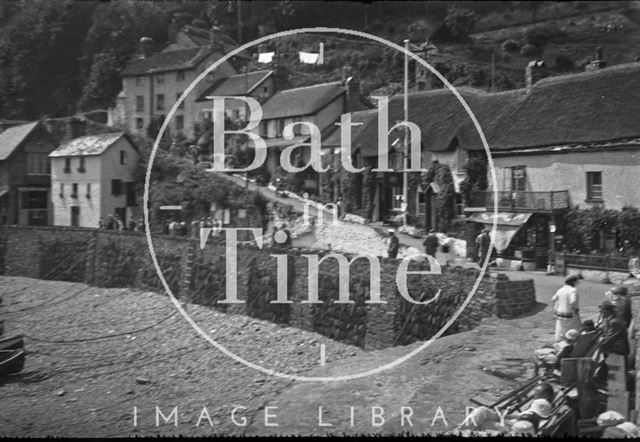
75, 128
215, 38
535, 71
598, 63
146, 47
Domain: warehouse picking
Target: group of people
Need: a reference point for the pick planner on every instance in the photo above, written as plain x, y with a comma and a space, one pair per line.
613, 324
192, 229
113, 222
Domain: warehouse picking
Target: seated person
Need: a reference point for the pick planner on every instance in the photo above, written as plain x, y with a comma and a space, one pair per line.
621, 302
614, 333
566, 346
551, 356
539, 409
586, 340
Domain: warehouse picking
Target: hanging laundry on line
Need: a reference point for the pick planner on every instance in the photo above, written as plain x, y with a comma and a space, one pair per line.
308, 57
266, 57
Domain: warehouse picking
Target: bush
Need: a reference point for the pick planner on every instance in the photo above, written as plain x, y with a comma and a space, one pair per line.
510, 46
564, 63
540, 36
457, 25
530, 50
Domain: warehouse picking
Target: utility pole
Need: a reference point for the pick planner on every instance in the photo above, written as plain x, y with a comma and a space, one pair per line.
405, 177
239, 8
493, 70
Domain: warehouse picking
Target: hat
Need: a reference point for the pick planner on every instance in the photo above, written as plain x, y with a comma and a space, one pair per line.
620, 290
588, 325
630, 428
572, 278
391, 231
541, 407
523, 427
609, 418
607, 306
571, 334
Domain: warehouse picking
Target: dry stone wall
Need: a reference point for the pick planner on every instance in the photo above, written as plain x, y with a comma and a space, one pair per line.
122, 259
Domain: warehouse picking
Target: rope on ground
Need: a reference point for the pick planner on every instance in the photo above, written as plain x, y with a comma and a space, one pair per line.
97, 338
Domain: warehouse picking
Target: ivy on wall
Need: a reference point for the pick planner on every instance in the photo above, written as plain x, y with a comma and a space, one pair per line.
441, 175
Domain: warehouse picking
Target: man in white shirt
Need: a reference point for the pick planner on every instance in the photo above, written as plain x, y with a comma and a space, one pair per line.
566, 307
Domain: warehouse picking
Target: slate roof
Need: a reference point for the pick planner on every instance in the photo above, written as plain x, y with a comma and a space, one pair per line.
585, 107
11, 138
301, 101
441, 118
239, 84
88, 145
169, 61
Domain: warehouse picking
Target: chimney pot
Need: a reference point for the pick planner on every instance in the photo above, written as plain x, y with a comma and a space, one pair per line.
146, 47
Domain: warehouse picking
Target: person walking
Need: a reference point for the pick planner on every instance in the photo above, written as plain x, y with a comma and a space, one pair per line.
482, 246
431, 243
394, 244
566, 307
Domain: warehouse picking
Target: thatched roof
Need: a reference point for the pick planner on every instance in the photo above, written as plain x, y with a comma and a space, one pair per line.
577, 108
442, 118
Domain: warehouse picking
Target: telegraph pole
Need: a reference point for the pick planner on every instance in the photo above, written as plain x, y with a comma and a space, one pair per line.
405, 178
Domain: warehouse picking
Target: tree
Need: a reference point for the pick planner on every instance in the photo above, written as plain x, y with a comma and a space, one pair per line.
457, 25
39, 49
111, 42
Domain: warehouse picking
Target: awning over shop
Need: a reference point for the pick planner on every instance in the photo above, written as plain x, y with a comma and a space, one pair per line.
508, 224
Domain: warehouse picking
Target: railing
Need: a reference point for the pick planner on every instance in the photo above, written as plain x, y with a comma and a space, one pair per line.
597, 262
522, 201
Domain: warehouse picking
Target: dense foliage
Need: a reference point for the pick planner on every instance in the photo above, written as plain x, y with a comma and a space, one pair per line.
585, 227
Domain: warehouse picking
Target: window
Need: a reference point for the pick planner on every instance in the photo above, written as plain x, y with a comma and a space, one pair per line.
180, 76
116, 187
34, 199
160, 102
518, 179
81, 168
61, 190
138, 81
179, 122
422, 203
38, 164
88, 190
140, 103
74, 190
159, 78
280, 128
178, 94
139, 123
67, 165
594, 186
123, 157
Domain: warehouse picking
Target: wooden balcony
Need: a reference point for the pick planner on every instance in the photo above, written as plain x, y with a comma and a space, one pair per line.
521, 201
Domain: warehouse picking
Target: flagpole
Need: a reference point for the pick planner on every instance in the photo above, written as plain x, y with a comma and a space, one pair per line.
405, 186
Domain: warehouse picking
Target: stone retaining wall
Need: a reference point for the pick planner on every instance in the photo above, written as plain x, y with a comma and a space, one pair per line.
122, 259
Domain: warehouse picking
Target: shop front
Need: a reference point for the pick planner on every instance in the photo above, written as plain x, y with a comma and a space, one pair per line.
524, 238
